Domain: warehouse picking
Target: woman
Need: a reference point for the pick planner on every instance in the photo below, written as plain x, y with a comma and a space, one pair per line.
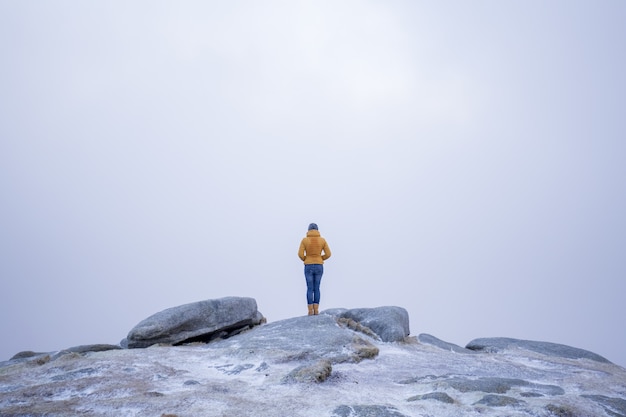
313, 252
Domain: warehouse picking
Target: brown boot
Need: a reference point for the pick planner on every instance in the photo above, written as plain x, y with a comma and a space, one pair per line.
310, 309
316, 310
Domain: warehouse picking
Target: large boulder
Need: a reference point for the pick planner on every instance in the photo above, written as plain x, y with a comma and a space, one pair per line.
199, 321
390, 323
496, 344
305, 338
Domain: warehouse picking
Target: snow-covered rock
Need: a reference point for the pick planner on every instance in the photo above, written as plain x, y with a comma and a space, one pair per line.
495, 344
312, 366
202, 320
302, 339
390, 323
428, 339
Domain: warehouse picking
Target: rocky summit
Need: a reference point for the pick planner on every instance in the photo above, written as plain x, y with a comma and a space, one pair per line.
341, 363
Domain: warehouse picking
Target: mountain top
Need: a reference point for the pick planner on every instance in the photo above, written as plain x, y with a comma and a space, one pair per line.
335, 364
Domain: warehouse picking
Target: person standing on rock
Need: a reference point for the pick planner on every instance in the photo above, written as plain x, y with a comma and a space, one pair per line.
313, 252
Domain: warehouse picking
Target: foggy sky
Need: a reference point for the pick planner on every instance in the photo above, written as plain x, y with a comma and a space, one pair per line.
464, 160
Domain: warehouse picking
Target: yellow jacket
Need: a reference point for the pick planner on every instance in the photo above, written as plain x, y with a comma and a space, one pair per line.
311, 248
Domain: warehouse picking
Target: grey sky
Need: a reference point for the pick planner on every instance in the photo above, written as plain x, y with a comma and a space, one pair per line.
464, 160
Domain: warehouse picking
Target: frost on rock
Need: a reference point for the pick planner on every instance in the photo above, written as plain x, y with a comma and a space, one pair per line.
366, 411
390, 323
311, 367
305, 338
437, 396
316, 372
199, 321
496, 344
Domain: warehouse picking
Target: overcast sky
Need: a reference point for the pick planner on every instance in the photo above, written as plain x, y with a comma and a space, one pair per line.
465, 161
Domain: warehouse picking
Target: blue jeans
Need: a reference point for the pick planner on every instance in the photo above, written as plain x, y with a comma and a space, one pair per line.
313, 274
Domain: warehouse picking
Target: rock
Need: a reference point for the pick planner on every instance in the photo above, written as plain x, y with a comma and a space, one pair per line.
309, 366
353, 325
390, 323
562, 411
40, 360
366, 411
316, 372
242, 376
92, 348
433, 341
496, 344
499, 385
29, 357
362, 349
531, 394
613, 406
491, 385
492, 400
74, 375
335, 312
199, 321
229, 369
437, 396
308, 338
191, 382
26, 354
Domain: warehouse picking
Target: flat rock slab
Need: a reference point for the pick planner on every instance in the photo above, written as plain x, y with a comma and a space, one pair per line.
490, 385
493, 400
100, 347
436, 396
613, 406
433, 341
202, 320
307, 338
366, 411
497, 385
496, 344
26, 354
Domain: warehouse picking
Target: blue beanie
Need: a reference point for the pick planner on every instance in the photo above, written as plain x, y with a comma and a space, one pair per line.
312, 226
